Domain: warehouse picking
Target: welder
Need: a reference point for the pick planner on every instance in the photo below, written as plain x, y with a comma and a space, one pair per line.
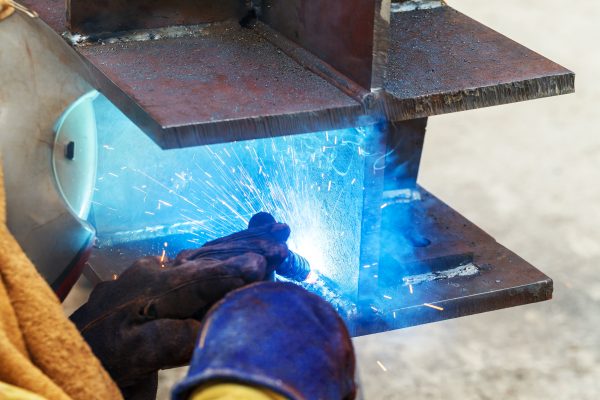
258, 340
249, 338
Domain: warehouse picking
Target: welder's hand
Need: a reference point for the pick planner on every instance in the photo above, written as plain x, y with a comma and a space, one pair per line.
258, 239
148, 319
276, 336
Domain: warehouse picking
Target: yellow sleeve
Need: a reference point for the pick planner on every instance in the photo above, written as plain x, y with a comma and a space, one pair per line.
6, 11
9, 392
233, 391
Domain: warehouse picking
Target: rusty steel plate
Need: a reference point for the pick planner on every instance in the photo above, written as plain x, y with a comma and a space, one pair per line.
216, 87
228, 83
499, 278
442, 61
492, 278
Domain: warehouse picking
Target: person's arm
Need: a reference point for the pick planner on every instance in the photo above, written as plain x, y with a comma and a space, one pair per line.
6, 9
10, 392
149, 318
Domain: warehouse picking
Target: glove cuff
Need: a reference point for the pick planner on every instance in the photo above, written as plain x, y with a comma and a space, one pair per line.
277, 336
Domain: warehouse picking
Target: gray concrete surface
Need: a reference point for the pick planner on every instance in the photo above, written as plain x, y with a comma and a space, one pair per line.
529, 174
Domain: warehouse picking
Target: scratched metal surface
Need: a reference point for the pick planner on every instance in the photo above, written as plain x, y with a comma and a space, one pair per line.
218, 85
225, 84
504, 279
442, 61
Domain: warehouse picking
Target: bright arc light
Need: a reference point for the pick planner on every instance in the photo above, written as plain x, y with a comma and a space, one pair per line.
313, 182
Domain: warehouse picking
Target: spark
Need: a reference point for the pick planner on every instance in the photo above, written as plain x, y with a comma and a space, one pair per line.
113, 174
164, 203
107, 147
385, 296
142, 191
309, 181
374, 309
115, 277
434, 307
382, 366
394, 313
312, 278
410, 287
162, 257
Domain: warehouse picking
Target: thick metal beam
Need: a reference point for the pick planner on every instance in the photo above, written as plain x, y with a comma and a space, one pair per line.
442, 61
223, 83
463, 271
474, 273
404, 148
338, 31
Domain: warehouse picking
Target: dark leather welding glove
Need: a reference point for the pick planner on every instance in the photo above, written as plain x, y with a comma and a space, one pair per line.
276, 336
148, 319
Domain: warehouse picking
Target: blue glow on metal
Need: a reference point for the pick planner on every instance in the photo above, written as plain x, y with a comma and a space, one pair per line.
313, 182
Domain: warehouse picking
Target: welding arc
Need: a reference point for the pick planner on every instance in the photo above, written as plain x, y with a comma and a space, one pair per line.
294, 267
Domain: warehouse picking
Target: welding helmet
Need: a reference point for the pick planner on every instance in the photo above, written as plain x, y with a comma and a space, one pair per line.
48, 149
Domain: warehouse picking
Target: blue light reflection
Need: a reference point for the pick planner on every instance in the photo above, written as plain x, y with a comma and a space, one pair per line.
313, 182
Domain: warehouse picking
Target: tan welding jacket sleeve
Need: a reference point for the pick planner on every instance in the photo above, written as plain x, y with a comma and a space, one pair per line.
40, 349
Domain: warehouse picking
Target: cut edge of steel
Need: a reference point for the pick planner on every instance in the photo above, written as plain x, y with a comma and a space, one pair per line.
398, 109
479, 303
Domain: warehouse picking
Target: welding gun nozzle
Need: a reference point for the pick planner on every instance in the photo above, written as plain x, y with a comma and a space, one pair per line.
294, 267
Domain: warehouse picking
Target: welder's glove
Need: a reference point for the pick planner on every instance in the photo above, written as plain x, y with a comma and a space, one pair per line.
276, 336
148, 319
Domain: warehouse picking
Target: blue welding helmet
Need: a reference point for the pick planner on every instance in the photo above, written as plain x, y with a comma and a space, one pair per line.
48, 150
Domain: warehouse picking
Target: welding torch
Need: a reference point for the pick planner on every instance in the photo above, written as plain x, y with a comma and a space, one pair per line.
294, 267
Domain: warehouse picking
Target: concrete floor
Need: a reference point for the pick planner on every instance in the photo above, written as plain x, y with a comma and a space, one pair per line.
529, 174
